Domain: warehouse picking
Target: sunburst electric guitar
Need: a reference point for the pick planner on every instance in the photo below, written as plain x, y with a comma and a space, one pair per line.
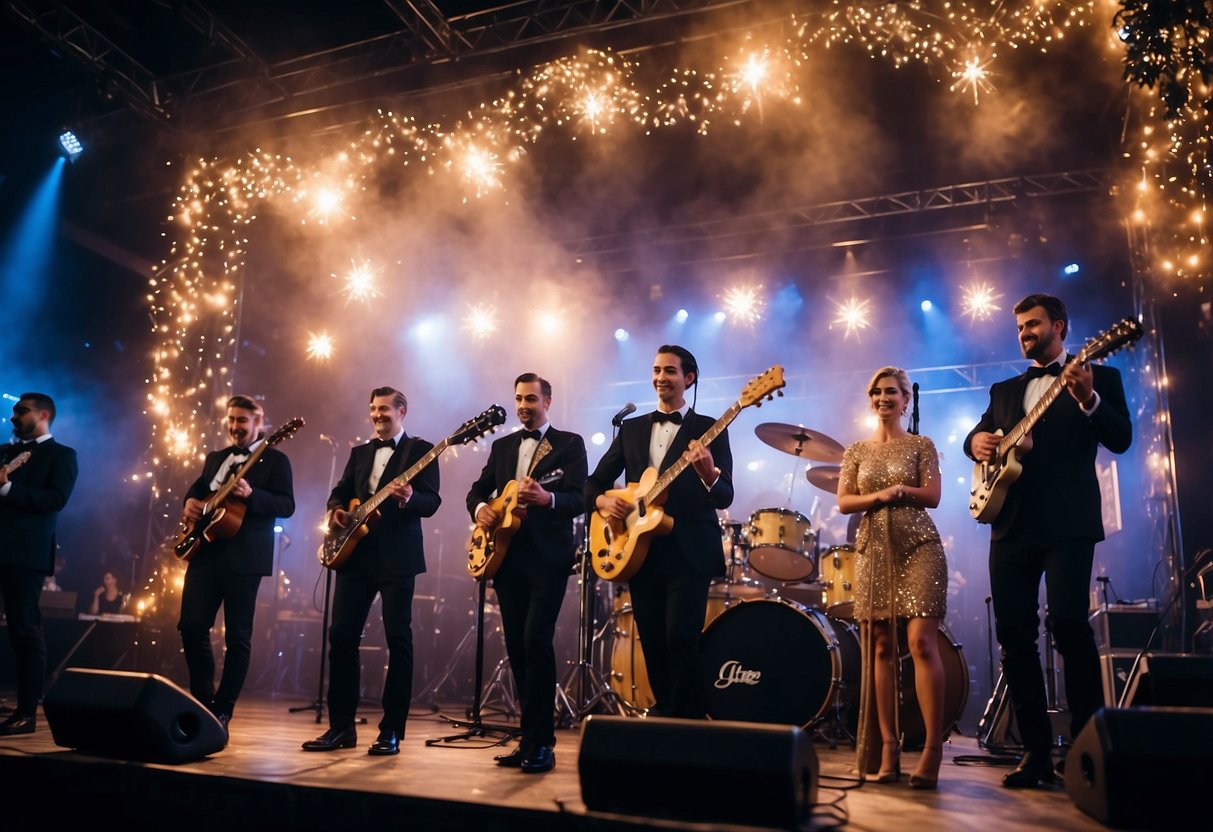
992, 479
487, 548
618, 547
222, 517
340, 541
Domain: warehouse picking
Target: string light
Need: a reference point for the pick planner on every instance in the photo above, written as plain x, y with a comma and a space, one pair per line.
194, 295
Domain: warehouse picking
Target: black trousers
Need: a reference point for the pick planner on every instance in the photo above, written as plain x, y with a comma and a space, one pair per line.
530, 595
354, 593
209, 583
669, 602
1016, 566
21, 589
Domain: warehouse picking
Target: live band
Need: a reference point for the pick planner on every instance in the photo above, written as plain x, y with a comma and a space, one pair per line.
705, 640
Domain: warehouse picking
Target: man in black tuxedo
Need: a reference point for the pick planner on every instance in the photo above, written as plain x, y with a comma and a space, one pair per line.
228, 570
1049, 524
530, 582
670, 591
386, 562
32, 493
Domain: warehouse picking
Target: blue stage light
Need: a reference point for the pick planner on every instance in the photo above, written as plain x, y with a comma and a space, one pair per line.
926, 306
70, 145
681, 316
720, 317
621, 334
1071, 269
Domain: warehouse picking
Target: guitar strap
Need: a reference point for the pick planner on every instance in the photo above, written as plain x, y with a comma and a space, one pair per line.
545, 448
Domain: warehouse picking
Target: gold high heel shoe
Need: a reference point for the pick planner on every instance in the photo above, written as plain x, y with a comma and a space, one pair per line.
925, 781
889, 773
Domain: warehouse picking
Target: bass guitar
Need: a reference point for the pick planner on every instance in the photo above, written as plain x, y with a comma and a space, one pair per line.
992, 479
619, 547
488, 546
221, 517
340, 541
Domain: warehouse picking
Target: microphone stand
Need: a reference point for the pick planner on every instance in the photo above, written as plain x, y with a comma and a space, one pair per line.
318, 704
475, 728
914, 412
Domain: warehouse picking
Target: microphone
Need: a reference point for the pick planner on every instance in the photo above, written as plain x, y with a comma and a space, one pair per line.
628, 408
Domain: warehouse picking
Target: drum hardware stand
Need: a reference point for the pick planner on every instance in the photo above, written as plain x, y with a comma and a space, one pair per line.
475, 728
584, 689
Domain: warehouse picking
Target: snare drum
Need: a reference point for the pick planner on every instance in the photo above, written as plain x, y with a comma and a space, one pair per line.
772, 661
838, 579
781, 545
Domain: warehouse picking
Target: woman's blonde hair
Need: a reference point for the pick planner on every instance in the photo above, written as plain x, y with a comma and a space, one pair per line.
903, 379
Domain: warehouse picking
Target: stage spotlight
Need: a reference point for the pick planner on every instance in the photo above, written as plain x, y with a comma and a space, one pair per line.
719, 317
278, 528
1070, 269
926, 306
681, 316
598, 438
69, 145
621, 334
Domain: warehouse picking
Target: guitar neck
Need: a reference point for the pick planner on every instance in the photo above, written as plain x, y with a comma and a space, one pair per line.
383, 493
671, 473
1030, 419
226, 489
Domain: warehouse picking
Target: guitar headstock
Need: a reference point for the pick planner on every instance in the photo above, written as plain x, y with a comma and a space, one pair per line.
1120, 334
288, 429
473, 429
762, 386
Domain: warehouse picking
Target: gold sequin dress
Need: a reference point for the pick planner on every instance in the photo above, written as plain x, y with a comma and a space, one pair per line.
902, 533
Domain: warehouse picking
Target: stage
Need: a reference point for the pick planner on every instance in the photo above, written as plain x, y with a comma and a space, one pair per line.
263, 778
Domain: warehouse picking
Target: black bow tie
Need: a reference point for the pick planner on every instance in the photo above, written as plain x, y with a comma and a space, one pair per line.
659, 417
1053, 369
537, 435
378, 443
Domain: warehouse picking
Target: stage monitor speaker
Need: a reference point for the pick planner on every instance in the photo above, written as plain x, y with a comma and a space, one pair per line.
1171, 679
673, 768
1145, 768
137, 716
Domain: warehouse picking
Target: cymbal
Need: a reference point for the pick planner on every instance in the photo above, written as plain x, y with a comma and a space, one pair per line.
800, 441
824, 477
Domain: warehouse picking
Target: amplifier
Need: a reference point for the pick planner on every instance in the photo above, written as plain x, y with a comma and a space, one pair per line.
1120, 627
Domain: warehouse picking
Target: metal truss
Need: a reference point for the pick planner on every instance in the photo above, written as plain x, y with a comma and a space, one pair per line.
238, 87
781, 222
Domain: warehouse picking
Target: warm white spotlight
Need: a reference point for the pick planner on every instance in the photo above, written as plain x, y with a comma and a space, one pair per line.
481, 321
744, 304
978, 301
319, 346
851, 315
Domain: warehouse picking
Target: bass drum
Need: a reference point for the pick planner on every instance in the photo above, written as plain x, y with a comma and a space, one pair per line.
773, 661
629, 674
955, 690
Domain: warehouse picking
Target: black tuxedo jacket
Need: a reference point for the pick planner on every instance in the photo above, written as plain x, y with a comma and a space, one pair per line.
29, 512
1057, 494
546, 534
394, 545
696, 528
251, 550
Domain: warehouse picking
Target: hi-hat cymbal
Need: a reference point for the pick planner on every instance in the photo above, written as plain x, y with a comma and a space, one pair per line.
800, 441
824, 477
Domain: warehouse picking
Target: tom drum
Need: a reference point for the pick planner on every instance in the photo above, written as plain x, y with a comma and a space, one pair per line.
781, 545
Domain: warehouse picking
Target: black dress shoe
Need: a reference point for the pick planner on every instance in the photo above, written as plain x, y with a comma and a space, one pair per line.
386, 745
333, 738
1035, 767
541, 760
511, 760
17, 724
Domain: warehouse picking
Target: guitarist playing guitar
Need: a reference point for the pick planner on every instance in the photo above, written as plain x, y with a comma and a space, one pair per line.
1050, 520
670, 590
227, 571
386, 563
530, 581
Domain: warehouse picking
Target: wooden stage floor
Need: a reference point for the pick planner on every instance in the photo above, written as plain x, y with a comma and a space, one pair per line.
263, 778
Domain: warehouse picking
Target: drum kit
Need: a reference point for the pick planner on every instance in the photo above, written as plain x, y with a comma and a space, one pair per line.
780, 643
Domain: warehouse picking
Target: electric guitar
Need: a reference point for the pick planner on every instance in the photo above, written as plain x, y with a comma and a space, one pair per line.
221, 518
992, 479
488, 546
340, 541
619, 547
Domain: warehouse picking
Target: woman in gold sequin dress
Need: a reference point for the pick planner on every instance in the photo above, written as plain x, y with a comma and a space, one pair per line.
900, 571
